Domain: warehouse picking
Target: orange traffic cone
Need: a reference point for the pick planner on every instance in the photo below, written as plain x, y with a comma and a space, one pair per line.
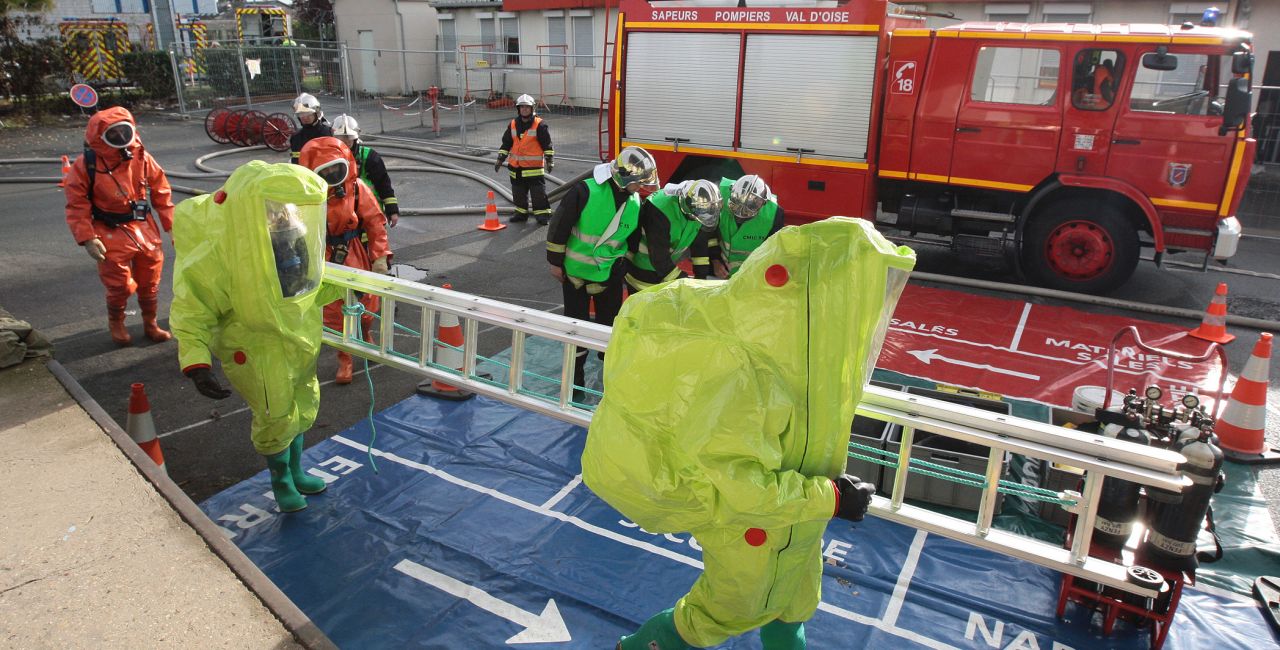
491, 222
66, 169
449, 344
1241, 428
141, 427
1214, 325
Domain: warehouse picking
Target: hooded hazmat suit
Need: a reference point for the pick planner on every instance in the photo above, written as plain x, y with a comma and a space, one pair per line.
740, 446
353, 217
134, 258
247, 288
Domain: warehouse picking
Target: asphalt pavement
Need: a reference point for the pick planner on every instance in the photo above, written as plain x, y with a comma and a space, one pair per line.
48, 280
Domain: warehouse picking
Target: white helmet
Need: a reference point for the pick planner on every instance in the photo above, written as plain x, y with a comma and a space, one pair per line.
306, 103
700, 201
345, 125
747, 196
524, 100
634, 165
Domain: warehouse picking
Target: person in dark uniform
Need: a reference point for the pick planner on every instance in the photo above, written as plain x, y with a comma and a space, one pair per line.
307, 108
675, 222
369, 166
588, 236
526, 146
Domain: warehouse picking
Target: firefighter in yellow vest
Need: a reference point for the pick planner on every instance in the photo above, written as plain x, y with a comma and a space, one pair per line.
675, 222
588, 238
750, 215
526, 145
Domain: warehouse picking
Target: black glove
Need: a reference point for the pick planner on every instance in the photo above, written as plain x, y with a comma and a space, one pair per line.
855, 495
207, 384
498, 165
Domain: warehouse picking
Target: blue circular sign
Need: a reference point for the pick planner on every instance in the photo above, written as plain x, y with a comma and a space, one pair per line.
84, 95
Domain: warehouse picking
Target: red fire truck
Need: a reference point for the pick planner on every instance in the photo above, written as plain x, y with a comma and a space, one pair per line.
1064, 147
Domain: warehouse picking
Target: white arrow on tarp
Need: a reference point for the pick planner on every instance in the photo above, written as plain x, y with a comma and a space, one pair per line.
547, 627
925, 356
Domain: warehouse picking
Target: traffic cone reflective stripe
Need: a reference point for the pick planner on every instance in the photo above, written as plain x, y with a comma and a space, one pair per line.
140, 426
1241, 428
1214, 325
449, 342
491, 222
66, 169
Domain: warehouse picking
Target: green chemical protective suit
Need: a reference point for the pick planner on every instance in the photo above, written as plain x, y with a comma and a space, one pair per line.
247, 288
727, 414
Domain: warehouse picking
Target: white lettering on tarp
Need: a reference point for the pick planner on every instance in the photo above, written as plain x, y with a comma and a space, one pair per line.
994, 636
668, 536
324, 476
1129, 357
977, 623
926, 328
252, 517
837, 550
342, 466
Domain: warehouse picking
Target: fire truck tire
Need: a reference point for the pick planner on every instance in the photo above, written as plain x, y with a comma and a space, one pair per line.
1080, 245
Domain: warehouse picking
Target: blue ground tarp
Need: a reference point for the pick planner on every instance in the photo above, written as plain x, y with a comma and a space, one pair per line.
475, 528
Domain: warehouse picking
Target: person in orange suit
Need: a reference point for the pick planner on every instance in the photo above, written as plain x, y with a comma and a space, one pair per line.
353, 216
115, 190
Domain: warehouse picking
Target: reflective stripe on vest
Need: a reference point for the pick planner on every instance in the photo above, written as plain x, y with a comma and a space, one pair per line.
526, 151
600, 236
683, 231
737, 241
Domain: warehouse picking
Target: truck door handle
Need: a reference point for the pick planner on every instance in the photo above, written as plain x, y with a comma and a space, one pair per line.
675, 142
968, 129
799, 152
1124, 141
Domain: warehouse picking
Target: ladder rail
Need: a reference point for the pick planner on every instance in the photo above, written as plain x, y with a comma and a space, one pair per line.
1099, 457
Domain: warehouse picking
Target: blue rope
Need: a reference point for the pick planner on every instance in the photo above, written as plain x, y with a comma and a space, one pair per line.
358, 310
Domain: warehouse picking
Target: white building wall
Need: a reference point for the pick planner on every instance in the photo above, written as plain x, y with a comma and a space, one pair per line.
536, 74
401, 60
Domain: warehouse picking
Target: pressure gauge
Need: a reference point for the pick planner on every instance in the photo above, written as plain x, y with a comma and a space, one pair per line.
1190, 401
1154, 393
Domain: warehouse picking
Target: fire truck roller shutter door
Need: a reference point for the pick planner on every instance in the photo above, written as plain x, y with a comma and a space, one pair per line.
682, 85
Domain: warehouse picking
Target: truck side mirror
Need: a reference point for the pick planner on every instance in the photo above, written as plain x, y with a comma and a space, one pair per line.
1159, 61
1239, 103
1242, 63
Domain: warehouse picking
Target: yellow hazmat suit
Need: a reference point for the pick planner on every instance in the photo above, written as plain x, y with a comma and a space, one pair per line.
727, 414
247, 288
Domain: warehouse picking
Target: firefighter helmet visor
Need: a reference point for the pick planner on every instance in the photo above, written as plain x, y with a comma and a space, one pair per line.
524, 100
119, 135
345, 125
747, 195
334, 172
700, 201
635, 165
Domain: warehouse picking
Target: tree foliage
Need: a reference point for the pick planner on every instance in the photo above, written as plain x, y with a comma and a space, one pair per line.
313, 20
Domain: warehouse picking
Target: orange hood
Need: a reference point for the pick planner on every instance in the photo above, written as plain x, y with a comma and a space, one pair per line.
99, 123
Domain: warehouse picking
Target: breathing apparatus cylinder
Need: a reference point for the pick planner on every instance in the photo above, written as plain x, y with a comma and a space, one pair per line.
1171, 537
1120, 500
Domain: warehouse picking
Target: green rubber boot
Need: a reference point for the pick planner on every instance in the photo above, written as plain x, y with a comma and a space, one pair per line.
777, 635
306, 483
282, 486
657, 633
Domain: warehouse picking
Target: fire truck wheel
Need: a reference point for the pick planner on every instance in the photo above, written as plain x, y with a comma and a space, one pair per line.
1080, 245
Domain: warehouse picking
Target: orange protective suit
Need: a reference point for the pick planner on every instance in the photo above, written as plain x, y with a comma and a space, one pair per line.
134, 256
357, 209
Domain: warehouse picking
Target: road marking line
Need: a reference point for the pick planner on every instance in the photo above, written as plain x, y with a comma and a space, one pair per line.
564, 492
242, 409
904, 579
623, 539
1022, 325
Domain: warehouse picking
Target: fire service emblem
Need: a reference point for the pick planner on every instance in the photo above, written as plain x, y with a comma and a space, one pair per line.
1179, 174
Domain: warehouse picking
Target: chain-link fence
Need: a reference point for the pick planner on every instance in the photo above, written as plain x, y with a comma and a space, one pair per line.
462, 97
1260, 210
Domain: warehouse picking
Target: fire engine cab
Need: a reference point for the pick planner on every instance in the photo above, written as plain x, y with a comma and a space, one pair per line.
1064, 147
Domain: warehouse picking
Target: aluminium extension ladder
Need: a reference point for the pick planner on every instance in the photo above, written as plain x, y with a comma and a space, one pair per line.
1098, 456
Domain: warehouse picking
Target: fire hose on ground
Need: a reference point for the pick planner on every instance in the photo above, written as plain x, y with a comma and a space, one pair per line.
211, 173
